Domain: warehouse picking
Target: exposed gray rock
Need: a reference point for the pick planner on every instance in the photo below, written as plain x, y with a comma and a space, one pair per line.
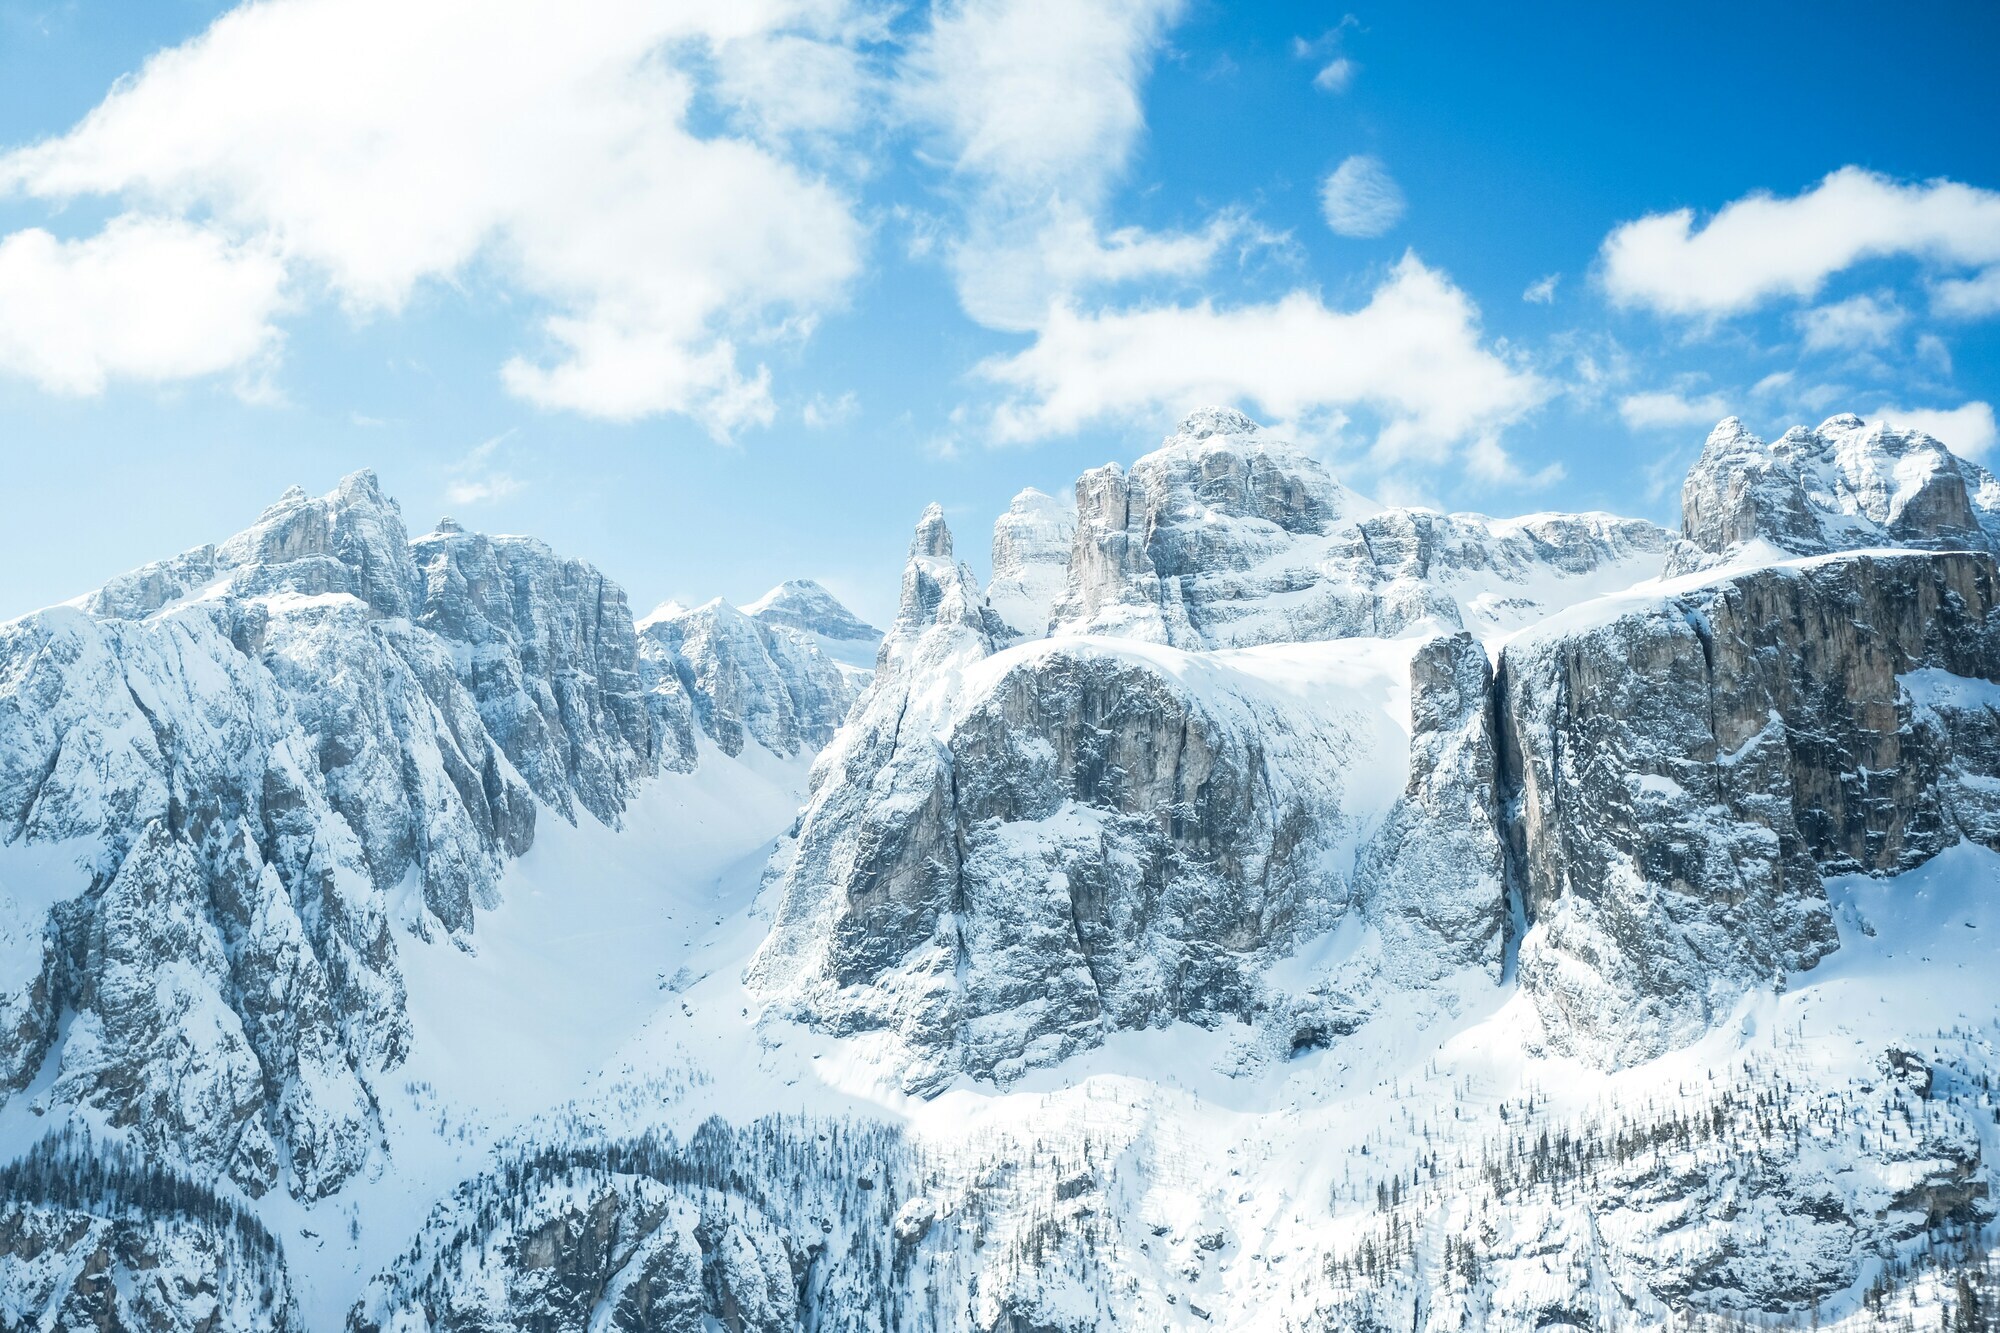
604, 1253
211, 923
1433, 877
1229, 537
748, 680
1843, 486
546, 646
1687, 768
73, 1268
1031, 550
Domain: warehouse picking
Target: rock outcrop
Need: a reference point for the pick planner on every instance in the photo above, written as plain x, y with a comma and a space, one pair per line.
748, 678
1843, 486
1008, 857
1031, 550
607, 1253
1687, 768
226, 778
1229, 537
546, 647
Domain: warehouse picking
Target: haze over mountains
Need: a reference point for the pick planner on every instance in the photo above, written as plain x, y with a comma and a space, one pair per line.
1257, 907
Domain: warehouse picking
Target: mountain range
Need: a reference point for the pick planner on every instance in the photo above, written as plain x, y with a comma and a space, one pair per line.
1253, 907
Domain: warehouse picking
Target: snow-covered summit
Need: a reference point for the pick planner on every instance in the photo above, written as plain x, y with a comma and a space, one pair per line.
1229, 536
349, 542
1031, 552
804, 605
1337, 916
1843, 485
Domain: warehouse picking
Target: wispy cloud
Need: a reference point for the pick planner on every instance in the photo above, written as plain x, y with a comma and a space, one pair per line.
476, 479
1664, 409
1361, 199
822, 411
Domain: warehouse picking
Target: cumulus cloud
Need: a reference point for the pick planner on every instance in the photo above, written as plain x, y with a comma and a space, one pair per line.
1361, 199
147, 299
1542, 291
1969, 429
1761, 247
1975, 297
1855, 324
1034, 110
1663, 410
1412, 356
375, 145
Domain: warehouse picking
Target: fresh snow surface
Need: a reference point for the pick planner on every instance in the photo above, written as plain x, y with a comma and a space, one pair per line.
1281, 1159
593, 931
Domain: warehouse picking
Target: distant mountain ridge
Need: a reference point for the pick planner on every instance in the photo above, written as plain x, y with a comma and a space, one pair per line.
1254, 907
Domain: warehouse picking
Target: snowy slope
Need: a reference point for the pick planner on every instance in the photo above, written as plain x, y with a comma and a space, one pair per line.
1257, 909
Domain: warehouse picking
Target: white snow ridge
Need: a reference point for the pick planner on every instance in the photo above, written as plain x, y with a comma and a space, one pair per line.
1254, 908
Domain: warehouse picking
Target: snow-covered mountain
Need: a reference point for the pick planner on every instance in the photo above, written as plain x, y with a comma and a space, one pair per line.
1255, 908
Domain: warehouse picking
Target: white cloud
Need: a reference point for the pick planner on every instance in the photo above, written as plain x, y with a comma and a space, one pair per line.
1412, 356
1012, 268
481, 490
822, 411
475, 479
1486, 460
1034, 108
1542, 291
1336, 75
1858, 322
1761, 247
376, 145
1360, 198
1975, 297
1666, 410
1969, 429
150, 299
1037, 97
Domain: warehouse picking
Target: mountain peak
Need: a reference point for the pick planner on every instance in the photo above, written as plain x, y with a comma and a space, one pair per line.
1847, 484
1206, 421
803, 604
933, 537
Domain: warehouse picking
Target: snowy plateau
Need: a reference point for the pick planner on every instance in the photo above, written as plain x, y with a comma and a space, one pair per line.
1252, 908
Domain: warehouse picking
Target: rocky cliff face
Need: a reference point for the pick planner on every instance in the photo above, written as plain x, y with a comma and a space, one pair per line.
1229, 537
1688, 768
225, 780
1031, 550
1008, 858
749, 678
1843, 486
546, 647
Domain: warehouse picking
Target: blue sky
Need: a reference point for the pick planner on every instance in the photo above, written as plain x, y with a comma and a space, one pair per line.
718, 292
